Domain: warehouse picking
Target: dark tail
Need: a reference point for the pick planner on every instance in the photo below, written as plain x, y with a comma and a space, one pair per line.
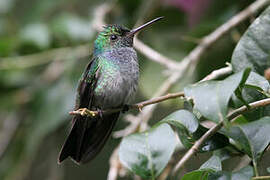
87, 137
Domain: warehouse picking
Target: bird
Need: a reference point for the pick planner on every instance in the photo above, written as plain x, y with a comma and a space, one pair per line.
109, 81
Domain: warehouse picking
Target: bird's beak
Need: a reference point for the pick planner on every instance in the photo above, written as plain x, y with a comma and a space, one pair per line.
134, 31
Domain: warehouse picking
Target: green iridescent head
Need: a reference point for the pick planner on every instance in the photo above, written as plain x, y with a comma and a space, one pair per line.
115, 36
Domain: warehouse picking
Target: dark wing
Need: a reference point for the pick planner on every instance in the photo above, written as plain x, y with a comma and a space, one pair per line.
88, 134
85, 93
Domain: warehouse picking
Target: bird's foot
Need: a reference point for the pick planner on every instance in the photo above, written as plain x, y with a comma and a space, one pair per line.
125, 108
86, 112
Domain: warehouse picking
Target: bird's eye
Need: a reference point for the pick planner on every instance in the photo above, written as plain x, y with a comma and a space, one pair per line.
113, 37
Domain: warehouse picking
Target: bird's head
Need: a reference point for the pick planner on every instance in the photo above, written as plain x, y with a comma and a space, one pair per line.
115, 36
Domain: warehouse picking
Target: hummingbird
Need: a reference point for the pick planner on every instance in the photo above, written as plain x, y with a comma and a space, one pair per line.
109, 81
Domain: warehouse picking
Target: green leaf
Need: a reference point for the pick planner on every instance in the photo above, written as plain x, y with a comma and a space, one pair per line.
214, 163
189, 131
258, 136
182, 119
186, 123
209, 174
211, 97
253, 137
147, 153
253, 49
243, 174
256, 88
237, 135
257, 81
198, 174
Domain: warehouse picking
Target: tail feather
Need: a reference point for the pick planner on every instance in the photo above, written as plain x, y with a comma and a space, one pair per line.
87, 137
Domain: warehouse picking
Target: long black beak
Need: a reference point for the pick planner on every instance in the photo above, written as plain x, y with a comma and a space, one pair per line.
134, 31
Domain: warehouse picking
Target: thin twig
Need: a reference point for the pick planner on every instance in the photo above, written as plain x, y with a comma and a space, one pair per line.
219, 73
159, 99
87, 112
214, 129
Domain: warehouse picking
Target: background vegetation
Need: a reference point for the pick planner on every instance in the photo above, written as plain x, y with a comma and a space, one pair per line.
45, 45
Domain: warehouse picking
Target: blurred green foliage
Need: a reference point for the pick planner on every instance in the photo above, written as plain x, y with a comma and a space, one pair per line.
44, 47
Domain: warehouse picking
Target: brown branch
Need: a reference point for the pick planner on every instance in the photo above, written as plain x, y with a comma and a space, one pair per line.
159, 99
214, 129
87, 112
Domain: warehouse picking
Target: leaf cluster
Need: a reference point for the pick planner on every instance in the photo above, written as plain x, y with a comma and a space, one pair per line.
149, 152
